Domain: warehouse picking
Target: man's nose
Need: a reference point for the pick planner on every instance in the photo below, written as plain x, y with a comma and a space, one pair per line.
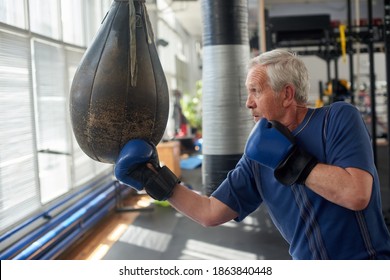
250, 104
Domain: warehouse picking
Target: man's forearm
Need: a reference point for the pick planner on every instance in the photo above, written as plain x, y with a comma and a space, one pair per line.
204, 210
350, 187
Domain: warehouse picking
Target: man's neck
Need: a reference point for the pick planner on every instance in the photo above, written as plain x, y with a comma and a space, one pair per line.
297, 116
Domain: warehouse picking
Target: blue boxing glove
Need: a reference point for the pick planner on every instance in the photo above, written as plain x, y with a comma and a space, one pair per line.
272, 144
131, 169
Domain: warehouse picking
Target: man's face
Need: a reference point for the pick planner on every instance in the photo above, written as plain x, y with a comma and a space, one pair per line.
262, 100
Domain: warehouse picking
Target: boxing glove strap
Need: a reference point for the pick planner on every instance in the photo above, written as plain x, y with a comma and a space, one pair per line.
305, 173
160, 185
295, 168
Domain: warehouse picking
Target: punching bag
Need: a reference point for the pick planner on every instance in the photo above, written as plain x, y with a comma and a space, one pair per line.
119, 91
226, 120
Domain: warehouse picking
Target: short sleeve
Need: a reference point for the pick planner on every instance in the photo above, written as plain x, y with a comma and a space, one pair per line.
239, 190
347, 141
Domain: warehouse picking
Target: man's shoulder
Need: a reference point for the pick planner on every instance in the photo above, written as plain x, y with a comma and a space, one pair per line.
342, 108
342, 105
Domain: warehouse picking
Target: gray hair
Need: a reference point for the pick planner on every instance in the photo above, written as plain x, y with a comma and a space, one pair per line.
284, 67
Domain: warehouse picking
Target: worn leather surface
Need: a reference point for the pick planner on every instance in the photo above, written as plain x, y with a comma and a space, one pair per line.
109, 106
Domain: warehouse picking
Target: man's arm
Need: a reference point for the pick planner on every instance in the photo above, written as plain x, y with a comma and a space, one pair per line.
207, 211
138, 167
272, 145
349, 187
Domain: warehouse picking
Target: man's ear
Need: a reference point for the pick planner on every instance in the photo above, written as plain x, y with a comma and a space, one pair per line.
288, 95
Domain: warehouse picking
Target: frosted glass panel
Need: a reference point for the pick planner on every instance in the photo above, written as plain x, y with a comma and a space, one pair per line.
12, 12
44, 17
53, 142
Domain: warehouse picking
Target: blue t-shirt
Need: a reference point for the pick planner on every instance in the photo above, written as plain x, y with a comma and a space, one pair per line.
314, 227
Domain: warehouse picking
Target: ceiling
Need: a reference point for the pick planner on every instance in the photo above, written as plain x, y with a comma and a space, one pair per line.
189, 14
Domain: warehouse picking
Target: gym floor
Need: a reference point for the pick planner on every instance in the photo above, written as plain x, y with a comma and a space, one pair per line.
160, 232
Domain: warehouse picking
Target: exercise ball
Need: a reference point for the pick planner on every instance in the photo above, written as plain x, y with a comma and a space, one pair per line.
119, 91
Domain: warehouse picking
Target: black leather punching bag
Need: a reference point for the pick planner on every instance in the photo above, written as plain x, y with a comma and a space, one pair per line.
119, 91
